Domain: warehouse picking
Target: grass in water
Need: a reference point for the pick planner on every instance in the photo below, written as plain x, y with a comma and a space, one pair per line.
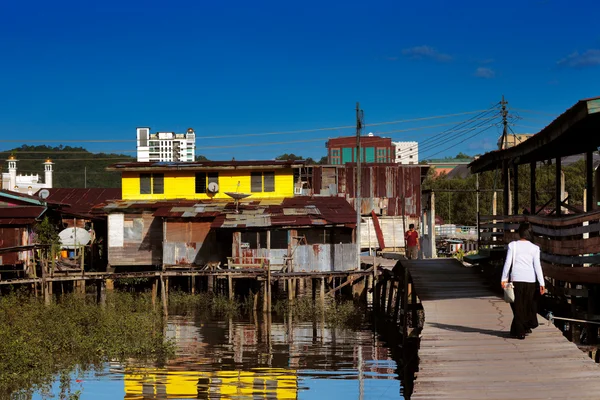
39, 342
336, 314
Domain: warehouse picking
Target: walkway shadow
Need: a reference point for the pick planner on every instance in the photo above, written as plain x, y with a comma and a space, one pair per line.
467, 329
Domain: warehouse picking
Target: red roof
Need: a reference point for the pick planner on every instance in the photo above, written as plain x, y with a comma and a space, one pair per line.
82, 201
296, 211
20, 215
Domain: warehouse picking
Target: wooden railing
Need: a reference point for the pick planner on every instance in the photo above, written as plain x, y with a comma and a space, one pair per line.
570, 245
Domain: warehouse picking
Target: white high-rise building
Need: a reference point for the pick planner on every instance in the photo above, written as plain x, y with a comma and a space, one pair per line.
407, 152
165, 146
27, 184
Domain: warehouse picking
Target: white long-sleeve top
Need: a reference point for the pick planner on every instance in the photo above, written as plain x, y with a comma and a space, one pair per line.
527, 263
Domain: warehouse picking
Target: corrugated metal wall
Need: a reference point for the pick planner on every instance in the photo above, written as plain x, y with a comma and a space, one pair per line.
141, 237
383, 187
12, 237
189, 242
325, 257
392, 229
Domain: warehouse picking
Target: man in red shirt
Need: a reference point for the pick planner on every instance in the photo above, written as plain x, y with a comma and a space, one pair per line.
411, 238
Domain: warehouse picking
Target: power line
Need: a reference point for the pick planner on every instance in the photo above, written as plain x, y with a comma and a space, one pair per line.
440, 138
462, 141
255, 134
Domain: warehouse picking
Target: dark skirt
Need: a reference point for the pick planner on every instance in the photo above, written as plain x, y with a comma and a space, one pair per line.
524, 308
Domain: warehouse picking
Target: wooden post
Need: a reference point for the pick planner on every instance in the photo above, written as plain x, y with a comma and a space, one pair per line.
290, 291
268, 289
532, 184
210, 284
388, 309
589, 181
383, 296
322, 293
398, 298
82, 251
264, 296
405, 305
192, 284
413, 305
163, 295
101, 292
255, 302
515, 189
558, 188
230, 286
154, 292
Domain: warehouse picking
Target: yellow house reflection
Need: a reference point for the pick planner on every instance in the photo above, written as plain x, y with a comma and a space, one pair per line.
267, 383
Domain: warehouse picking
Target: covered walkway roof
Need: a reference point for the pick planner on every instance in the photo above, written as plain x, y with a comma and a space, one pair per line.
576, 131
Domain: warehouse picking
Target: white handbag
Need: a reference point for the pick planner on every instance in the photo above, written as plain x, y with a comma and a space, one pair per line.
509, 290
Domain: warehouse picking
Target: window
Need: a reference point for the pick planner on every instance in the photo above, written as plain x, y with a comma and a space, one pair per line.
269, 178
152, 183
145, 182
335, 153
158, 183
256, 182
203, 179
200, 182
262, 181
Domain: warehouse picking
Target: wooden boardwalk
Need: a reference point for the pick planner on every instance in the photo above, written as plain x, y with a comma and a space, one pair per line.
466, 351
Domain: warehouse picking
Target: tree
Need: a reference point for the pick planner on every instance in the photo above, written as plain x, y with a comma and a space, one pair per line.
201, 158
323, 161
289, 157
463, 155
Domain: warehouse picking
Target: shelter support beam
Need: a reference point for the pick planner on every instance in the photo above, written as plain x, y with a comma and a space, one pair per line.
532, 198
558, 191
589, 181
515, 193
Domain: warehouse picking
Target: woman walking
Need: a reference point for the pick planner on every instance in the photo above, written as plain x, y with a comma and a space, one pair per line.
524, 257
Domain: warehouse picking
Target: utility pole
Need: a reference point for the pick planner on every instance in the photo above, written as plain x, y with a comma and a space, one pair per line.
358, 200
504, 114
85, 176
505, 167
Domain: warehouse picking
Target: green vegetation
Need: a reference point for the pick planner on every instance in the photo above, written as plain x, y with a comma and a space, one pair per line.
460, 207
344, 313
39, 342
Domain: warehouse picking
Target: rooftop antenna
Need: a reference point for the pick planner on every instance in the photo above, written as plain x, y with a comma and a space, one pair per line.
237, 196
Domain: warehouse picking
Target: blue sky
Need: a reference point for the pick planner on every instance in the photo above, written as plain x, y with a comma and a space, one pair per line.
74, 70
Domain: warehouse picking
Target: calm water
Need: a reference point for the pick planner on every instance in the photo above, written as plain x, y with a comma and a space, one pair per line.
241, 359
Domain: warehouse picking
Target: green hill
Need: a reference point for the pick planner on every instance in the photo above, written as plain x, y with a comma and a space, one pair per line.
73, 166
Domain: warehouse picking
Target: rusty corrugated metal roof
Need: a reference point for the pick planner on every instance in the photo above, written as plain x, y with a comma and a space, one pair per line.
82, 201
296, 211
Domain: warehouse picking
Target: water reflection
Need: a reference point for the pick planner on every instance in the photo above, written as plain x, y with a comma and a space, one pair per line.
260, 359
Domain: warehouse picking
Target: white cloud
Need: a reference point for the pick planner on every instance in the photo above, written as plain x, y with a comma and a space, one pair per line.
589, 58
484, 72
426, 52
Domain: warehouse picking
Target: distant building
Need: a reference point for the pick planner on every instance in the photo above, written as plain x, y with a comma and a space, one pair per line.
374, 149
26, 184
512, 140
447, 165
407, 152
165, 146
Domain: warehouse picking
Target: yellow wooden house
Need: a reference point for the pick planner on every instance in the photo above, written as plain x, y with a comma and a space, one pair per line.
207, 179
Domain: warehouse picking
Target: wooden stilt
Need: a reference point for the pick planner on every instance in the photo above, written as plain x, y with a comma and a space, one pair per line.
269, 289
154, 292
164, 294
322, 294
388, 309
230, 287
264, 296
383, 296
101, 292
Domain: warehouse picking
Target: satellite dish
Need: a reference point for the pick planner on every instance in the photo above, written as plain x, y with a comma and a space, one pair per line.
213, 187
43, 194
71, 238
237, 197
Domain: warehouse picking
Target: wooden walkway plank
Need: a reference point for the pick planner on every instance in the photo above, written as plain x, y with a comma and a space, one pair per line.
466, 352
